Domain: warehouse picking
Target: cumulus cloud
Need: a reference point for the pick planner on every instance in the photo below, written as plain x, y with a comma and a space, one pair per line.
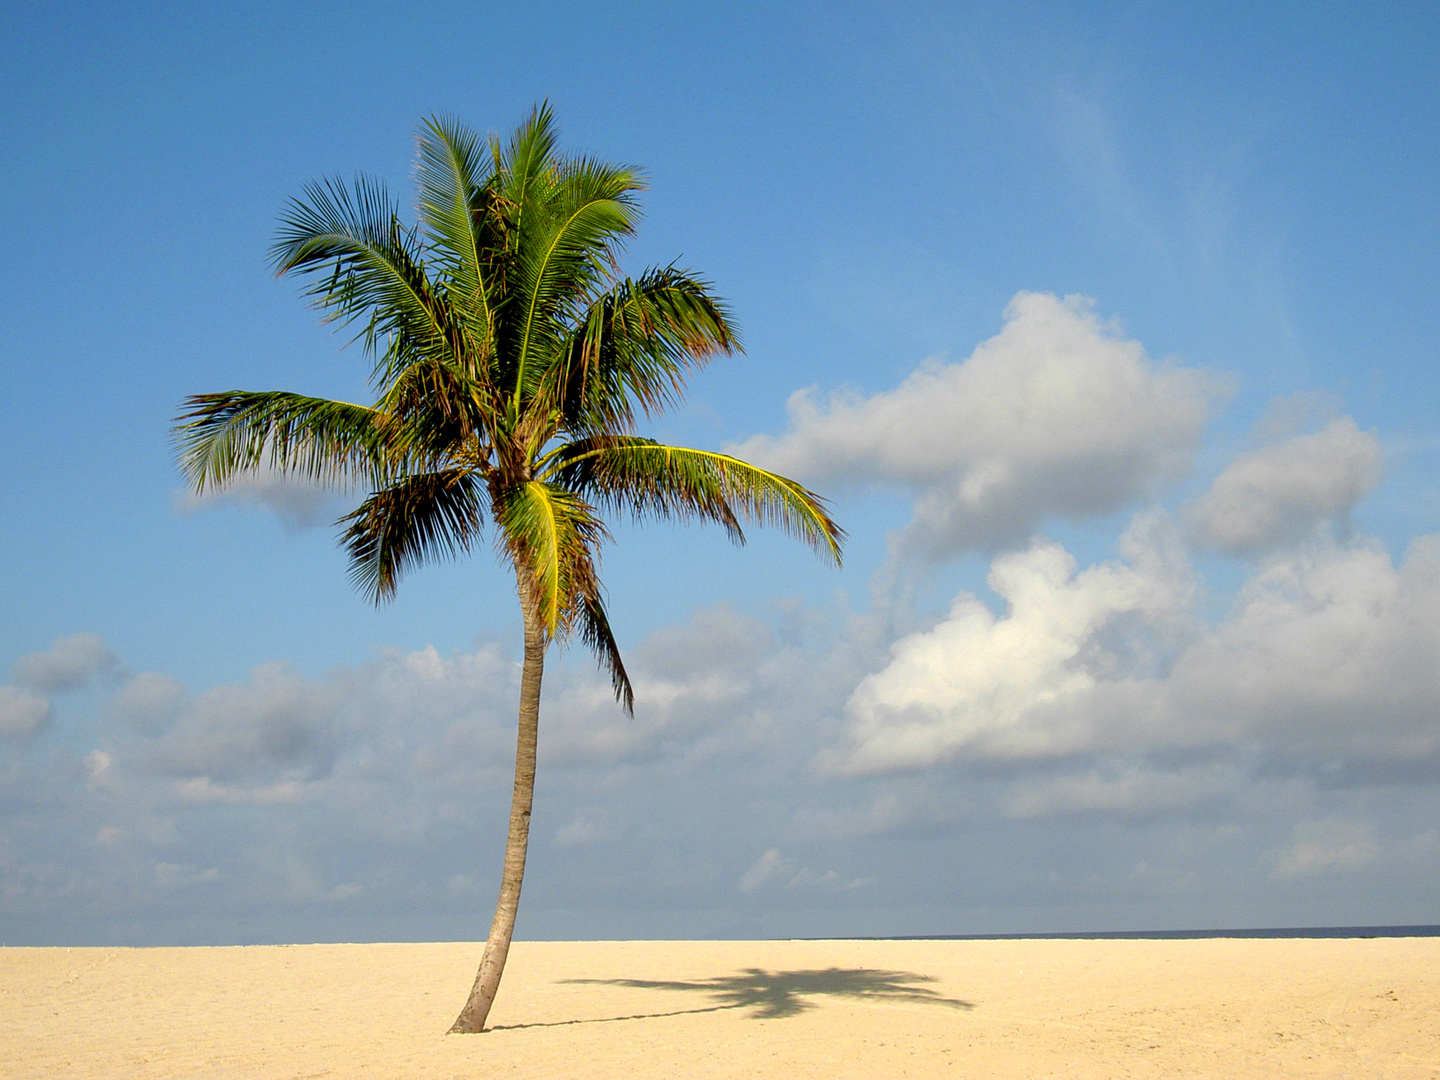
383, 786
687, 679
391, 777
762, 870
1327, 847
414, 722
298, 503
1089, 692
97, 768
773, 868
1284, 492
149, 700
1327, 651
1132, 788
982, 685
22, 712
1328, 654
68, 664
1058, 415
277, 726
713, 684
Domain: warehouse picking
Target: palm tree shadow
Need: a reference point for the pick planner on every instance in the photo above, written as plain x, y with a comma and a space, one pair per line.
773, 995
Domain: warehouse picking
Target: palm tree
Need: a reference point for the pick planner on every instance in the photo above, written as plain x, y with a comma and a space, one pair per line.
512, 362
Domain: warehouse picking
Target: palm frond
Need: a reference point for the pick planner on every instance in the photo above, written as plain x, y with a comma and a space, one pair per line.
221, 436
530, 154
568, 254
648, 478
548, 535
595, 633
415, 520
443, 405
454, 180
370, 269
635, 346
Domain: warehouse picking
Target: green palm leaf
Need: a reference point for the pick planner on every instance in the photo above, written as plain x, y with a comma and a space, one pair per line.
416, 520
548, 534
648, 478
222, 436
371, 269
569, 254
595, 633
456, 208
635, 346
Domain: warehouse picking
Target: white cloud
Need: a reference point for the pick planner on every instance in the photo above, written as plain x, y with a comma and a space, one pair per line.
1058, 415
425, 721
22, 712
1096, 692
589, 825
1129, 789
177, 875
1327, 847
762, 870
981, 685
149, 700
385, 786
686, 679
1327, 655
68, 664
298, 504
276, 727
97, 767
1281, 493
772, 868
1328, 651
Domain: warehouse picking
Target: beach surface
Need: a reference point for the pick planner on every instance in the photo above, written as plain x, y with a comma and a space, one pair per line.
801, 1009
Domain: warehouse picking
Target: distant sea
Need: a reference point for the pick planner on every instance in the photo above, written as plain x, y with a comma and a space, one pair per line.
1183, 935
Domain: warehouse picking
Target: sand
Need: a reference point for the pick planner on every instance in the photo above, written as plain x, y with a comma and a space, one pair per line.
640, 1010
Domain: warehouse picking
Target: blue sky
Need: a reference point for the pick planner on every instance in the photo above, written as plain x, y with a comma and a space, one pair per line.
1117, 327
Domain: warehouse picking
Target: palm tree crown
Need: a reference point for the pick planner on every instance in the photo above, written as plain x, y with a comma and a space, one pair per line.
512, 362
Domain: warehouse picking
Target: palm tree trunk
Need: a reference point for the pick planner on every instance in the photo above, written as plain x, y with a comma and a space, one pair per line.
497, 946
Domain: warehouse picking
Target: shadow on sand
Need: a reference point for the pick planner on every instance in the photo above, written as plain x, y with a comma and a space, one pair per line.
773, 995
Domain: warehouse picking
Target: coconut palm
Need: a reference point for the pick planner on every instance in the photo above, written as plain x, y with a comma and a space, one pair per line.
511, 364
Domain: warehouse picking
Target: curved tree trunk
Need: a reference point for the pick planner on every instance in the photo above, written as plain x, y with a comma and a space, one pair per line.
497, 946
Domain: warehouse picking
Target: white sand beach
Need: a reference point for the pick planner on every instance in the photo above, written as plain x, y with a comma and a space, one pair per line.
653, 1009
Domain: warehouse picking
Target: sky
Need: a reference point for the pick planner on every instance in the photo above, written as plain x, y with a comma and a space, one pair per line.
1109, 330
